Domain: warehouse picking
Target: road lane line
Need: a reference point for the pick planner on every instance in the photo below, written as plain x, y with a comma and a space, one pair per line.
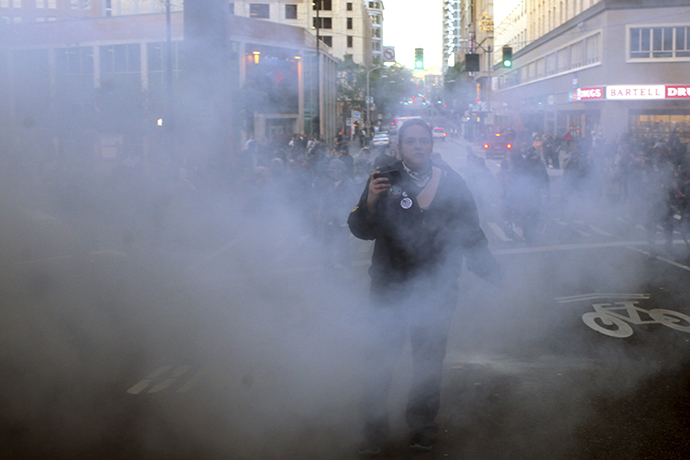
498, 231
144, 383
178, 372
668, 261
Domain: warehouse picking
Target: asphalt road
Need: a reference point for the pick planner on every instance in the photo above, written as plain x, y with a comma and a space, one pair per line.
240, 345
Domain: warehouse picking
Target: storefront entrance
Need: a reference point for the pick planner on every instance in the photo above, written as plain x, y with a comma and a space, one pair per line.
660, 125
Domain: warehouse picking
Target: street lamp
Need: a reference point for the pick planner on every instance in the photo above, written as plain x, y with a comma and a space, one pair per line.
368, 101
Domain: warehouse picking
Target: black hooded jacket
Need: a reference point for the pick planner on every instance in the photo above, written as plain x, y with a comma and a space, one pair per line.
414, 242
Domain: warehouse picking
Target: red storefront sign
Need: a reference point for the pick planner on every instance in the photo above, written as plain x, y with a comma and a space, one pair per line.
677, 92
584, 94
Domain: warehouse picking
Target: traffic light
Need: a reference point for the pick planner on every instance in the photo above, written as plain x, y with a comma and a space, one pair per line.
507, 56
472, 62
419, 58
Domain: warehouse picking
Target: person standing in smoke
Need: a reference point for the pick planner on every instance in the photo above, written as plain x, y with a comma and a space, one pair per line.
424, 222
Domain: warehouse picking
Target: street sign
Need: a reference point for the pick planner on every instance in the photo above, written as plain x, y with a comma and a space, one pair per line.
388, 54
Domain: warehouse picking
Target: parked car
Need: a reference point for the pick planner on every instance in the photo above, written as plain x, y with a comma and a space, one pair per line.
381, 140
497, 145
438, 133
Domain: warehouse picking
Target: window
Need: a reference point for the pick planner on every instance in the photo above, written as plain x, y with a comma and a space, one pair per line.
592, 48
290, 11
52, 4
376, 46
576, 55
74, 61
5, 20
659, 42
349, 6
120, 58
40, 4
349, 23
323, 23
259, 10
349, 41
375, 19
17, 19
5, 4
231, 8
377, 33
17, 4
327, 40
325, 5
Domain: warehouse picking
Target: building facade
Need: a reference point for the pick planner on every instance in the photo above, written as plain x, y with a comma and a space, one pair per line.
618, 66
105, 88
376, 15
344, 26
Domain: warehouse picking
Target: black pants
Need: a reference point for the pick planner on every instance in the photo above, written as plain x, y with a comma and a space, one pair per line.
424, 310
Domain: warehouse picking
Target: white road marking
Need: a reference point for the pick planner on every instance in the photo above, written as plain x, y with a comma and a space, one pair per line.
178, 372
193, 381
670, 262
143, 384
498, 231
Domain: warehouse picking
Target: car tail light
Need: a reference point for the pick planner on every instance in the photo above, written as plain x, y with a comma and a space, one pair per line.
444, 134
486, 146
510, 146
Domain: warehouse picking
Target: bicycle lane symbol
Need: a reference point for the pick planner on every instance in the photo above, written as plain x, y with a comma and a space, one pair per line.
614, 318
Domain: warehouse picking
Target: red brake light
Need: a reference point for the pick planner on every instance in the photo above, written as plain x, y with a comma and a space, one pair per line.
498, 135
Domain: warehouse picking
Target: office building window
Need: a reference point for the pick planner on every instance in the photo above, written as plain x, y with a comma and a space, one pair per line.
290, 11
349, 23
52, 4
40, 4
259, 10
327, 40
323, 23
349, 41
5, 4
17, 4
659, 42
349, 6
326, 5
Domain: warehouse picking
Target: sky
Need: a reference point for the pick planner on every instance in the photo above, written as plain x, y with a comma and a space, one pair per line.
407, 25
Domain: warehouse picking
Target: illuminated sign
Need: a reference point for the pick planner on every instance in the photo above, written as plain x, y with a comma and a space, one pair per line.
676, 92
636, 92
584, 94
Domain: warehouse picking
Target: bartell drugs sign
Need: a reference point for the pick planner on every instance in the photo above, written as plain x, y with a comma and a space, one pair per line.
636, 92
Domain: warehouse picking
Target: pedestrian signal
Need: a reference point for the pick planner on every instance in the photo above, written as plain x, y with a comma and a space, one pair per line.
507, 56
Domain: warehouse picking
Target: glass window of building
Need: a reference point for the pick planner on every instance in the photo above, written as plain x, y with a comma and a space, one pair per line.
17, 4
349, 41
326, 5
349, 6
40, 3
658, 42
52, 4
4, 4
259, 10
349, 23
323, 23
328, 40
290, 11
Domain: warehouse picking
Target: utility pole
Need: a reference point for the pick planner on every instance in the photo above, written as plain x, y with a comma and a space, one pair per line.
317, 4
